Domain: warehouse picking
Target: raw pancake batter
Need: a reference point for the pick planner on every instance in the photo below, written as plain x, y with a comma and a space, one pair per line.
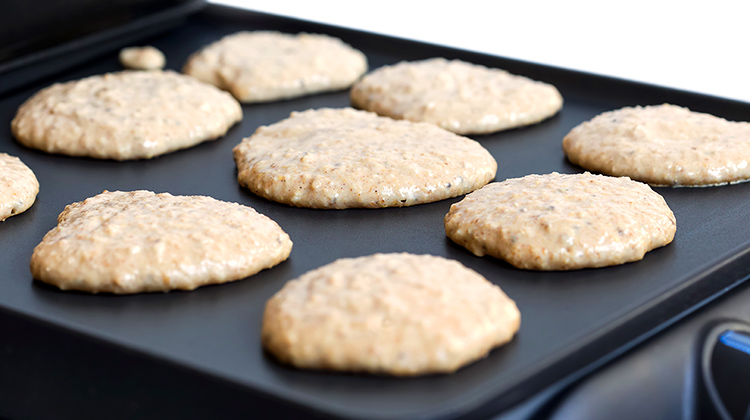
265, 66
18, 186
126, 115
461, 97
662, 145
142, 58
343, 158
562, 222
130, 242
394, 314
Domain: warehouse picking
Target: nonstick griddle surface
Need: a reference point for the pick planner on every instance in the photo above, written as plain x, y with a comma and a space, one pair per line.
569, 319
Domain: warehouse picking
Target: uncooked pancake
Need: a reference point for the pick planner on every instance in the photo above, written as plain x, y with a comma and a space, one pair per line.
662, 145
394, 314
125, 115
18, 186
130, 242
142, 58
458, 96
265, 66
343, 158
562, 222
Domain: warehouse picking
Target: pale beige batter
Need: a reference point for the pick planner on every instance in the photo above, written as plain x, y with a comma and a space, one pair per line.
125, 115
461, 97
264, 66
18, 186
662, 145
562, 222
342, 158
142, 58
130, 242
394, 314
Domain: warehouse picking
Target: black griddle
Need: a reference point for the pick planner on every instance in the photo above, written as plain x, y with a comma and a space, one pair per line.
198, 354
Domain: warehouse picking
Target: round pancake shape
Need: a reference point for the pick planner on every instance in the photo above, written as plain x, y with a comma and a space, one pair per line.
264, 66
390, 314
458, 96
125, 115
662, 145
142, 58
562, 222
18, 186
130, 242
345, 158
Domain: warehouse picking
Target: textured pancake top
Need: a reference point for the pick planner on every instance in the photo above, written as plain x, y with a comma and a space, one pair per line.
267, 65
125, 115
18, 186
562, 222
398, 314
461, 97
129, 242
341, 158
662, 145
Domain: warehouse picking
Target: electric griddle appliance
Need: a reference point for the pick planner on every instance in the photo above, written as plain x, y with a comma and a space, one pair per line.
666, 337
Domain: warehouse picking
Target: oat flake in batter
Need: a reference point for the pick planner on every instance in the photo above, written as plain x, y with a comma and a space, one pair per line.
18, 186
562, 222
125, 115
130, 242
461, 97
394, 314
264, 66
343, 158
662, 145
